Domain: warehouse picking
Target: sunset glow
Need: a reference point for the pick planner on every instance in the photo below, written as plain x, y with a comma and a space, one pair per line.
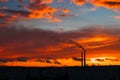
38, 33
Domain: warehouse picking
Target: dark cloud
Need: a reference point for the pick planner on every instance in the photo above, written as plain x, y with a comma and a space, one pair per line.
109, 4
65, 15
22, 59
56, 62
112, 59
100, 60
40, 60
26, 41
107, 59
37, 4
6, 60
76, 59
8, 15
48, 61
36, 9
112, 3
17, 12
37, 43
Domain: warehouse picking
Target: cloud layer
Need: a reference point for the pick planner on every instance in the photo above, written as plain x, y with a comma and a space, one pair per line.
34, 9
36, 43
109, 4
41, 9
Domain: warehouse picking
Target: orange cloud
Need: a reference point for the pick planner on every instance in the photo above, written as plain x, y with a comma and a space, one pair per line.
37, 44
97, 41
37, 9
65, 10
47, 1
5, 19
105, 61
42, 11
2, 15
46, 13
78, 2
49, 49
1, 50
59, 0
117, 17
110, 4
60, 62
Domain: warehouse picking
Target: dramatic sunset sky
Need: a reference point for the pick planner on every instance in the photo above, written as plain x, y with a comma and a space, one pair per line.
38, 32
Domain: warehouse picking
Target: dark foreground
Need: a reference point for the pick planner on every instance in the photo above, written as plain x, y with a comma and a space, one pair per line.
60, 73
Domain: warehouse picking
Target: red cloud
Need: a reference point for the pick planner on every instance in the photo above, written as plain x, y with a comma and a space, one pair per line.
47, 13
2, 15
26, 42
110, 4
3, 0
116, 17
41, 10
26, 45
37, 9
78, 2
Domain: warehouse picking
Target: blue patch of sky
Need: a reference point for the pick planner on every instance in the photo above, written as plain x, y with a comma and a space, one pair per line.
85, 17
14, 4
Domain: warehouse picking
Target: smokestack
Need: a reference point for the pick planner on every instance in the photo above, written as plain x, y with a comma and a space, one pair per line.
83, 53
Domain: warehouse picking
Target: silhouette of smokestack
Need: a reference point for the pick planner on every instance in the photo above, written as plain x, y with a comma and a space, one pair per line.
83, 53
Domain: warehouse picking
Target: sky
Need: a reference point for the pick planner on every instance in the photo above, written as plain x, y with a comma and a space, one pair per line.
39, 32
